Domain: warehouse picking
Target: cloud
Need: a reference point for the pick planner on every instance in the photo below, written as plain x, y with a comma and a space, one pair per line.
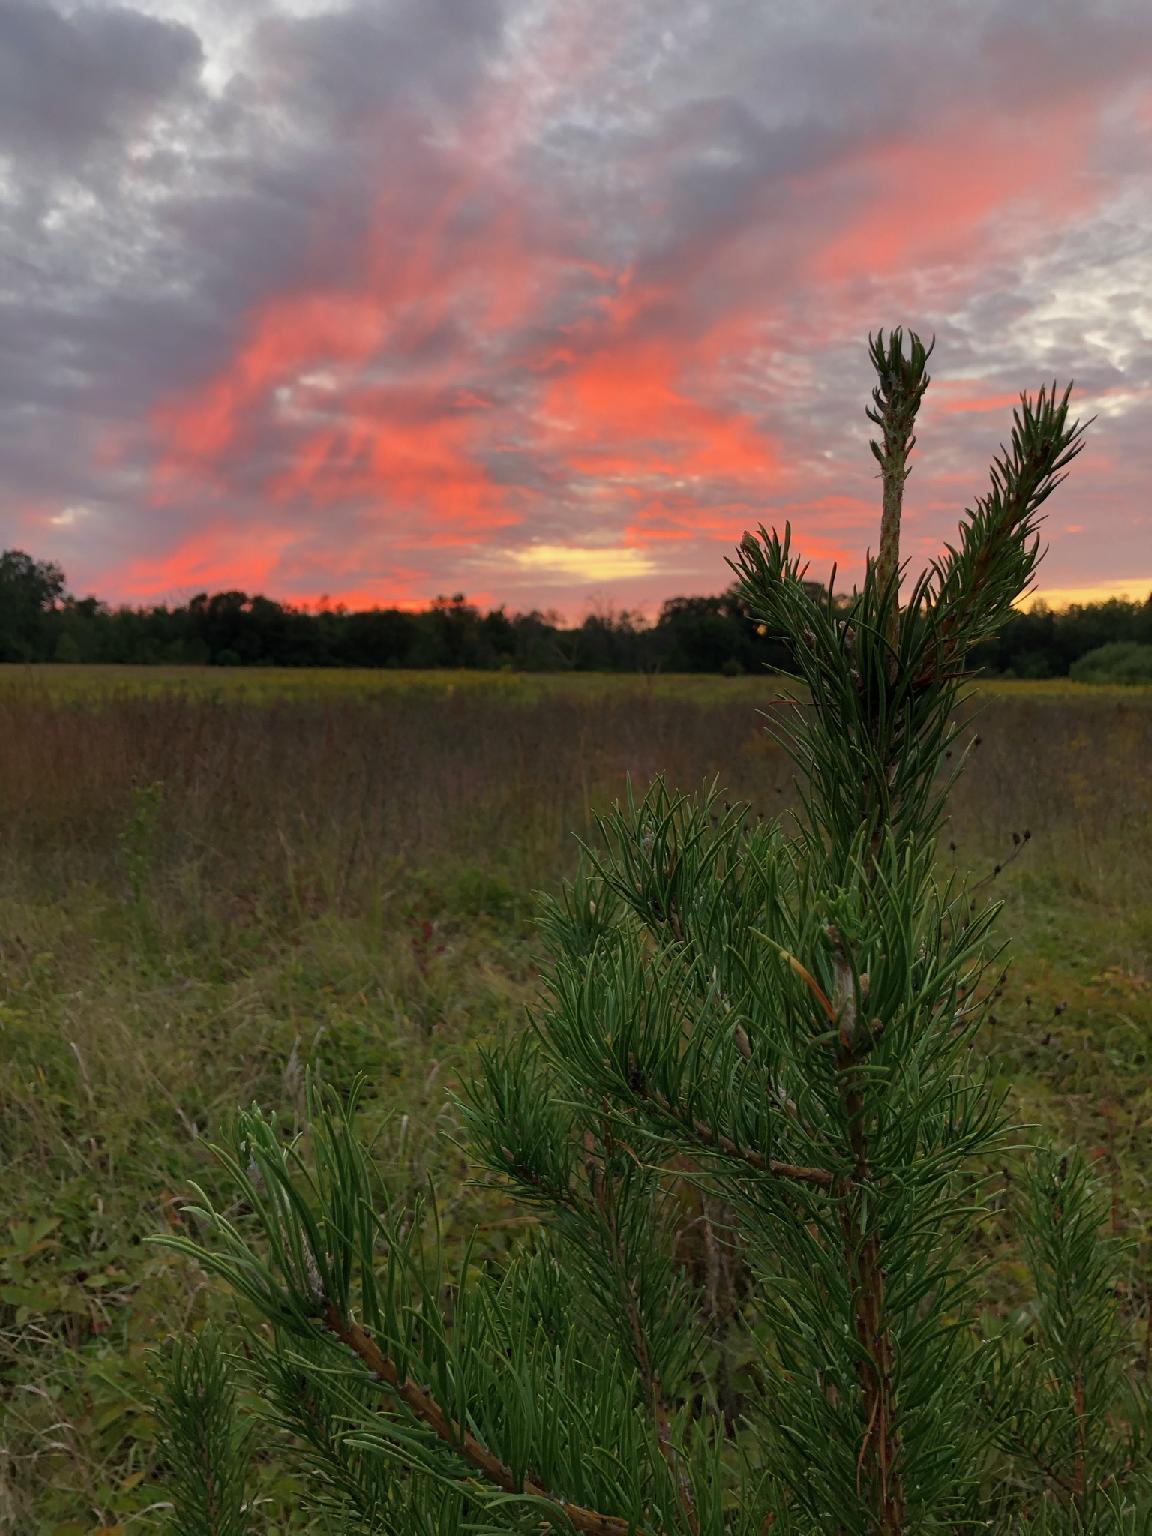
514, 295
345, 67
73, 83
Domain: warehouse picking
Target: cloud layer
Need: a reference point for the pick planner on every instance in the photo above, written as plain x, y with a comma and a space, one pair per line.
548, 302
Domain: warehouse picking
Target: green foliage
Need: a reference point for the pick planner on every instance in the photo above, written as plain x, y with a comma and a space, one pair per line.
41, 622
764, 1034
1067, 1410
29, 591
207, 1448
1041, 642
1121, 661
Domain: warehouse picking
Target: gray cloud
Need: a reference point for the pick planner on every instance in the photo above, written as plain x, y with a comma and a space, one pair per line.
72, 83
347, 67
521, 200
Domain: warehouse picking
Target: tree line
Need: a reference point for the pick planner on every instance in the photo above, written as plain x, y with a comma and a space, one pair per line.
42, 621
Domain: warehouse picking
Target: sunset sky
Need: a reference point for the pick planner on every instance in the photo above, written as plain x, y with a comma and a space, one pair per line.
546, 301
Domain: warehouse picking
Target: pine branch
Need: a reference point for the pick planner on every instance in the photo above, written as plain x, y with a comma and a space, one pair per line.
1061, 1397
879, 1462
424, 1407
208, 1451
965, 595
713, 1140
604, 1195
896, 400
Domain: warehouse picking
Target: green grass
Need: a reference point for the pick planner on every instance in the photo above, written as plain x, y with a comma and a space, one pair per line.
66, 681
206, 891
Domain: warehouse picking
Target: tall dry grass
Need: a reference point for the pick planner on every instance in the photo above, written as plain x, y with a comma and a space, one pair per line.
329, 798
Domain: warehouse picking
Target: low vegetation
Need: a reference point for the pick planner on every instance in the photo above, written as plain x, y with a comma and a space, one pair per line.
207, 891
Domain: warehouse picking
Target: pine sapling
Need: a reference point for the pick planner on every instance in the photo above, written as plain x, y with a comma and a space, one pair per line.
753, 1121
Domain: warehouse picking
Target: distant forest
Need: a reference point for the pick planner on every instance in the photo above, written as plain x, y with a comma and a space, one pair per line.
41, 621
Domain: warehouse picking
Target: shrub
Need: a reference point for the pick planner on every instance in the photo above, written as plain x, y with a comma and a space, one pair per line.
1123, 661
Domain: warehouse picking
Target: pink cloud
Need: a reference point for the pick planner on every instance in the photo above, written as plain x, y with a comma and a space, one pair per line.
489, 354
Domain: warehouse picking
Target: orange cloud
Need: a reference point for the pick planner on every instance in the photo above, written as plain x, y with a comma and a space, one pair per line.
662, 520
657, 521
412, 276
928, 201
956, 404
222, 557
424, 468
396, 388
285, 336
346, 441
215, 558
618, 402
839, 511
395, 592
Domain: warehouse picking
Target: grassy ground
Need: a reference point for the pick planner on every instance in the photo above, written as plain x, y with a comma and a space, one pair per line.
205, 889
254, 683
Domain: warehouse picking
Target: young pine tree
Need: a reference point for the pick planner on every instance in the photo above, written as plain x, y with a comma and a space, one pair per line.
755, 1125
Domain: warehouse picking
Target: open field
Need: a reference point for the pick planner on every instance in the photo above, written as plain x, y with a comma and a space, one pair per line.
210, 880
253, 683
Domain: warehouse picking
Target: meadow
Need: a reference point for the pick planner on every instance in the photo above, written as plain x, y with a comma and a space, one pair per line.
212, 880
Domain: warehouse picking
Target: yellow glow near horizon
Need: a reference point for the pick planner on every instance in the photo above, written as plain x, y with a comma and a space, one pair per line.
583, 562
1133, 589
